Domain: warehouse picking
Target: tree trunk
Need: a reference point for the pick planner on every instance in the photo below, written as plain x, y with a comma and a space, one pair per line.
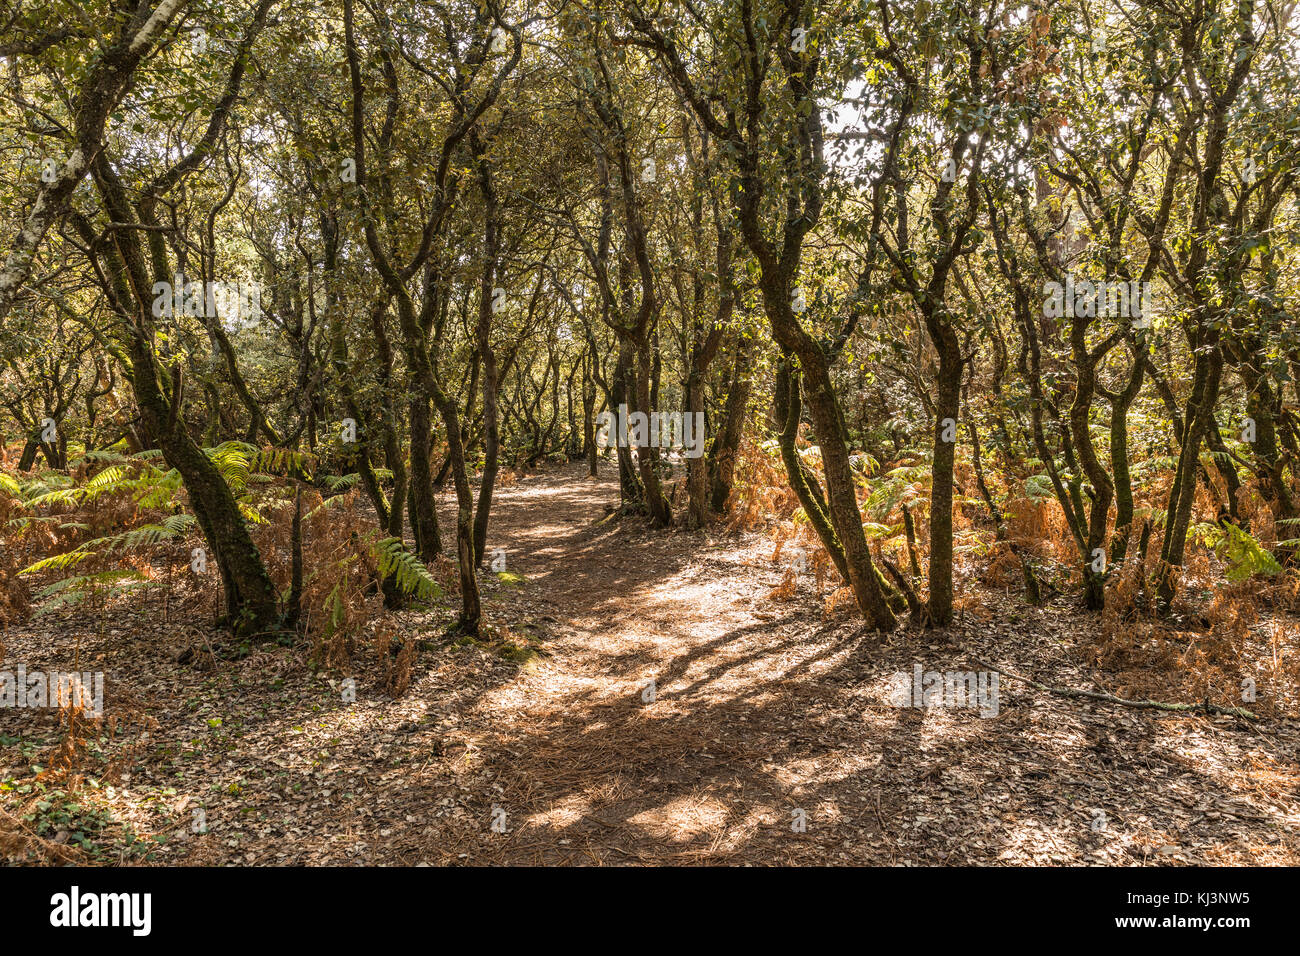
647, 455
466, 558
28, 457
697, 468
424, 513
1119, 463
947, 409
251, 599
726, 442
629, 484
589, 421
1178, 512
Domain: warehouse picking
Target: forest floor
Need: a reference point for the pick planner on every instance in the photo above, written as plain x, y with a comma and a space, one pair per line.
765, 716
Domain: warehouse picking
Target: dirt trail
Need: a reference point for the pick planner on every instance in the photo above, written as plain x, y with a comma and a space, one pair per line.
770, 738
592, 755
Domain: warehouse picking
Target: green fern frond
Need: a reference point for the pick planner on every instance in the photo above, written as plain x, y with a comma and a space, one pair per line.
339, 482
234, 460
106, 479
73, 590
1039, 488
170, 528
894, 486
63, 496
285, 462
158, 490
45, 481
1244, 556
58, 562
106, 456
407, 571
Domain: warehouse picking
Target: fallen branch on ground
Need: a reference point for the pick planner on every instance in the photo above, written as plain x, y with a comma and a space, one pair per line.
1205, 707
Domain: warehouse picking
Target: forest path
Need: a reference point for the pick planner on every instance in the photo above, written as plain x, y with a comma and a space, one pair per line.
770, 738
593, 768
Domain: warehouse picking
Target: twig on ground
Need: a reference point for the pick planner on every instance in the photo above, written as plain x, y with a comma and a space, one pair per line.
1204, 707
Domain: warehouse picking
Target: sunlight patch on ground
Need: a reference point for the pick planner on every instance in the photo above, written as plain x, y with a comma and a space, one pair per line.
564, 814
747, 672
1034, 840
683, 819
